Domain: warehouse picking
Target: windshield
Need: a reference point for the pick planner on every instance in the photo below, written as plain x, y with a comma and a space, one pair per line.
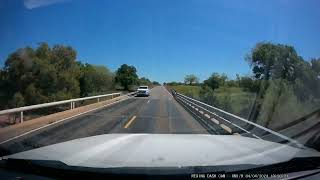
147, 83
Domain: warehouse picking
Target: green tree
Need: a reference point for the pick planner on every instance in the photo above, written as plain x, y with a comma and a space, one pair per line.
104, 78
33, 95
156, 83
144, 81
280, 105
174, 83
40, 75
215, 81
17, 100
307, 83
246, 82
274, 61
207, 95
87, 85
271, 62
315, 65
232, 83
4, 89
126, 76
249, 84
94, 79
64, 59
191, 79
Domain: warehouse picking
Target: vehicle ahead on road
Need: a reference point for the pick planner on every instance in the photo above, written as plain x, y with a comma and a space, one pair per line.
143, 91
182, 156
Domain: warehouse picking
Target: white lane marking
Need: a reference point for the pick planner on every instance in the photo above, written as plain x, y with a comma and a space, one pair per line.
167, 91
148, 101
34, 130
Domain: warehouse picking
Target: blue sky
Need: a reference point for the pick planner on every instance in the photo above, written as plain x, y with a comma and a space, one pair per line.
164, 39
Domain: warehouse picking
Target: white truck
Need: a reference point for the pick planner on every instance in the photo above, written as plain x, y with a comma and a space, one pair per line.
143, 91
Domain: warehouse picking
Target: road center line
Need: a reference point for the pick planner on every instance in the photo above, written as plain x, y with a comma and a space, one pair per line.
130, 121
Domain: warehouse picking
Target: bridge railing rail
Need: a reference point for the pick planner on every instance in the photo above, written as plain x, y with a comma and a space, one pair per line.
236, 124
44, 105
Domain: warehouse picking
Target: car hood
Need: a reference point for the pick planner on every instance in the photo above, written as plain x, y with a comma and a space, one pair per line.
165, 150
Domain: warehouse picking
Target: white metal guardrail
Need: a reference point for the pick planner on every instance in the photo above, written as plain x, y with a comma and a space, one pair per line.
230, 119
71, 101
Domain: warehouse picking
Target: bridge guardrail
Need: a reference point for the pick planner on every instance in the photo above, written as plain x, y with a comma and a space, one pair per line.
71, 101
231, 123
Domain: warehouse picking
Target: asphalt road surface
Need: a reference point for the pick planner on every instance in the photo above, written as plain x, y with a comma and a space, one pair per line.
158, 113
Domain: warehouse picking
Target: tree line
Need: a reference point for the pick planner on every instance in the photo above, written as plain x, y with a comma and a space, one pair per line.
282, 86
46, 74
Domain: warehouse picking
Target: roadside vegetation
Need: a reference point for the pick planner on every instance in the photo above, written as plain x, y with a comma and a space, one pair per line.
46, 74
188, 90
282, 88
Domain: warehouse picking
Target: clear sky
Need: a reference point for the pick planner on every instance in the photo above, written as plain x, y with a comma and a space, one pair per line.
164, 39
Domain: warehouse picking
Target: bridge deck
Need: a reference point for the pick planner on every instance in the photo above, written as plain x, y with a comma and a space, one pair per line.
159, 113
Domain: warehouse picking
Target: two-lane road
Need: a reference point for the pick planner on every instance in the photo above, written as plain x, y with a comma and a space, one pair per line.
158, 113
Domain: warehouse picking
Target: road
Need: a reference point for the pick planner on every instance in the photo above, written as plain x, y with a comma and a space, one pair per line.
158, 113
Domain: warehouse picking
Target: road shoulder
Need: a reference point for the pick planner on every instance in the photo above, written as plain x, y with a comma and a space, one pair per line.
15, 131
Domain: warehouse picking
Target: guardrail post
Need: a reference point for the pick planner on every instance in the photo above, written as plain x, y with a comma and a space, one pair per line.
72, 105
98, 99
21, 117
111, 96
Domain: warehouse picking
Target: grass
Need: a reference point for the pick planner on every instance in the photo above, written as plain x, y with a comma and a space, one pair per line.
191, 91
232, 99
235, 101
276, 111
229, 90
